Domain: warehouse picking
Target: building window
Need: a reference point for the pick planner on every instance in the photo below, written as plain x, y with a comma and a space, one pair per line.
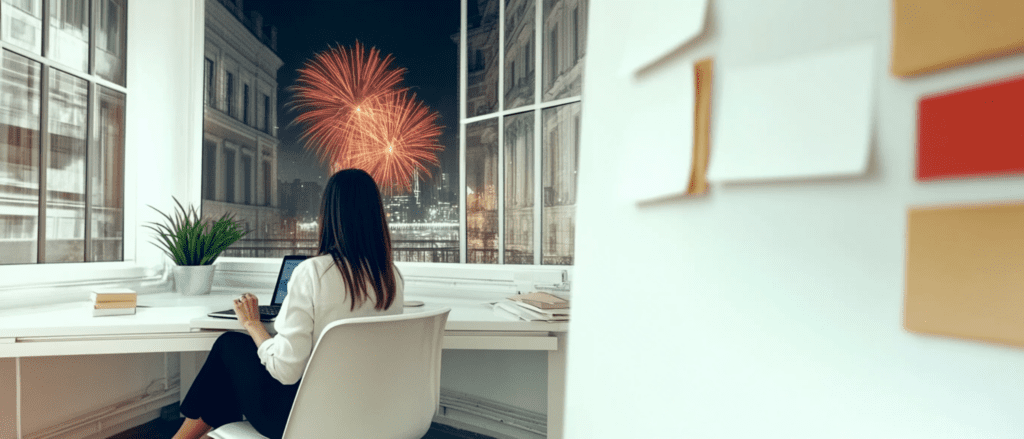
210, 91
229, 94
62, 163
229, 175
247, 179
266, 114
245, 104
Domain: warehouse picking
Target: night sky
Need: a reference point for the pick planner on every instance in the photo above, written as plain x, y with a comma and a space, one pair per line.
417, 32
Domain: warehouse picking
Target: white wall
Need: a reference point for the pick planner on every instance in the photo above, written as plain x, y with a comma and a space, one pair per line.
775, 309
163, 110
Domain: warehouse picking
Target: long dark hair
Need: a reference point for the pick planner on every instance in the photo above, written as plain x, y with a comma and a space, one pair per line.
354, 229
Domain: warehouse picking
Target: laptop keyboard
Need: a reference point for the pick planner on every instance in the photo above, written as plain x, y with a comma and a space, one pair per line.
265, 311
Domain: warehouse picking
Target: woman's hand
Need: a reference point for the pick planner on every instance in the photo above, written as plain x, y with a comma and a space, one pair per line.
247, 309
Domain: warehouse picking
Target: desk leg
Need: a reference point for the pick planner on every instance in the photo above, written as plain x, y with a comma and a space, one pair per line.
191, 362
556, 389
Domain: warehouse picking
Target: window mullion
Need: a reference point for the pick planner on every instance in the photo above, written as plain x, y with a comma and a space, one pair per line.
463, 81
90, 144
92, 40
501, 131
538, 148
44, 158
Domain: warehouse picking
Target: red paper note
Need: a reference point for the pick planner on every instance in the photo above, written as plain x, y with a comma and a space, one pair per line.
972, 132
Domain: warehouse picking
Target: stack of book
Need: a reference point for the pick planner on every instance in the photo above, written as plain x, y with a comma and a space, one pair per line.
536, 307
111, 302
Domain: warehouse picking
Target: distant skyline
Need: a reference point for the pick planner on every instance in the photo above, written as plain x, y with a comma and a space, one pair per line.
417, 32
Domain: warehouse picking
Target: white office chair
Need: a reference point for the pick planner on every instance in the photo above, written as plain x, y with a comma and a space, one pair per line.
368, 377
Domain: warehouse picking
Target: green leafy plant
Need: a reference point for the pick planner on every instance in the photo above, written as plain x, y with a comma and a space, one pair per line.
190, 241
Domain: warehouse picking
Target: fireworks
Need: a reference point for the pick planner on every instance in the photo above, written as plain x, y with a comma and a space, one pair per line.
357, 114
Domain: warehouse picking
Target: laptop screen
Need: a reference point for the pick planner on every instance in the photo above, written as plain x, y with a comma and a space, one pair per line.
282, 282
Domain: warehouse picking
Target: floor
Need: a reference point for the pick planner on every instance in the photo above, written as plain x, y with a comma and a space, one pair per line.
161, 429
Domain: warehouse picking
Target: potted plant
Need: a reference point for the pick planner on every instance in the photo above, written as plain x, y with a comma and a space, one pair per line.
194, 245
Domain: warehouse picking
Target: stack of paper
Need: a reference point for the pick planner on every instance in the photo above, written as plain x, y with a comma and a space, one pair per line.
535, 307
113, 302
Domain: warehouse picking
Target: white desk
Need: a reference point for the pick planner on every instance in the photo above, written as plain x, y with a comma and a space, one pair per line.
167, 322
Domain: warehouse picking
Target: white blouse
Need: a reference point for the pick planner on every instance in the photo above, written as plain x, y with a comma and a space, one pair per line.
316, 297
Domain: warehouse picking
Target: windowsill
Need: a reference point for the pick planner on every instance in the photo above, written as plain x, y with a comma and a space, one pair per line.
485, 282
41, 284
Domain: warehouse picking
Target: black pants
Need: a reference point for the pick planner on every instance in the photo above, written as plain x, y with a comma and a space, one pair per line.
233, 383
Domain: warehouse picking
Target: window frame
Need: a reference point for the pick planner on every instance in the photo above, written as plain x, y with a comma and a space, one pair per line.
537, 107
48, 66
38, 283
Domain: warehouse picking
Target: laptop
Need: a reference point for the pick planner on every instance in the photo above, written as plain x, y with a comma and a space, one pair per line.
269, 312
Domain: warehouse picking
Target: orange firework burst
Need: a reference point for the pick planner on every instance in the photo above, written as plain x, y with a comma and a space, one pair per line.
357, 115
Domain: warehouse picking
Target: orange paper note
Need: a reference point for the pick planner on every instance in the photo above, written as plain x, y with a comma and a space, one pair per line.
964, 272
931, 35
702, 72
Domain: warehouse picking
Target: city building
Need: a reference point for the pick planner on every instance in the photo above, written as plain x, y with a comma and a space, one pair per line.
240, 117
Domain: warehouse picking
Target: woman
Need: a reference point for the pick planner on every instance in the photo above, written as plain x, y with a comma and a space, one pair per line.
353, 276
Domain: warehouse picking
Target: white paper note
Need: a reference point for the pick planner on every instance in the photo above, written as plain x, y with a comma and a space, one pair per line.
803, 118
658, 138
658, 27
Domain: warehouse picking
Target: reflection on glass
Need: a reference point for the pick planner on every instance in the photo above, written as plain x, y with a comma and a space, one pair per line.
68, 40
519, 189
482, 57
106, 171
21, 24
559, 164
19, 159
565, 36
482, 192
111, 37
65, 170
519, 52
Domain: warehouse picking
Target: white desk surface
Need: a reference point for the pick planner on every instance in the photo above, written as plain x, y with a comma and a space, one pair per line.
172, 313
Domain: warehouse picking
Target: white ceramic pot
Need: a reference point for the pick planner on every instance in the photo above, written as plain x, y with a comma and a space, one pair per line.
193, 280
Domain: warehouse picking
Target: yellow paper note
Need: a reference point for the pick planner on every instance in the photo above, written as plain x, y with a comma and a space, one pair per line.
931, 35
965, 272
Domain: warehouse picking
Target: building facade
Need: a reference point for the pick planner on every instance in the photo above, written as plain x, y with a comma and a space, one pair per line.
240, 145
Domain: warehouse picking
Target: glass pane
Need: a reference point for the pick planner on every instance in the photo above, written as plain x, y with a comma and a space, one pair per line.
519, 189
564, 37
65, 172
68, 40
482, 192
279, 194
519, 52
482, 57
21, 24
19, 159
111, 37
559, 164
106, 173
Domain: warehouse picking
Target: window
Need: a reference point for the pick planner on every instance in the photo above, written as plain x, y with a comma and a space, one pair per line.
229, 175
504, 189
209, 169
61, 135
247, 179
210, 92
266, 113
539, 146
229, 94
245, 104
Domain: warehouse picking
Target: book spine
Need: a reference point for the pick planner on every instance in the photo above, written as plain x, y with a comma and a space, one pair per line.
113, 312
114, 305
113, 297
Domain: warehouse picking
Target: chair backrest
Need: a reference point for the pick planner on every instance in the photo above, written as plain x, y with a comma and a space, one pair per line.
376, 377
